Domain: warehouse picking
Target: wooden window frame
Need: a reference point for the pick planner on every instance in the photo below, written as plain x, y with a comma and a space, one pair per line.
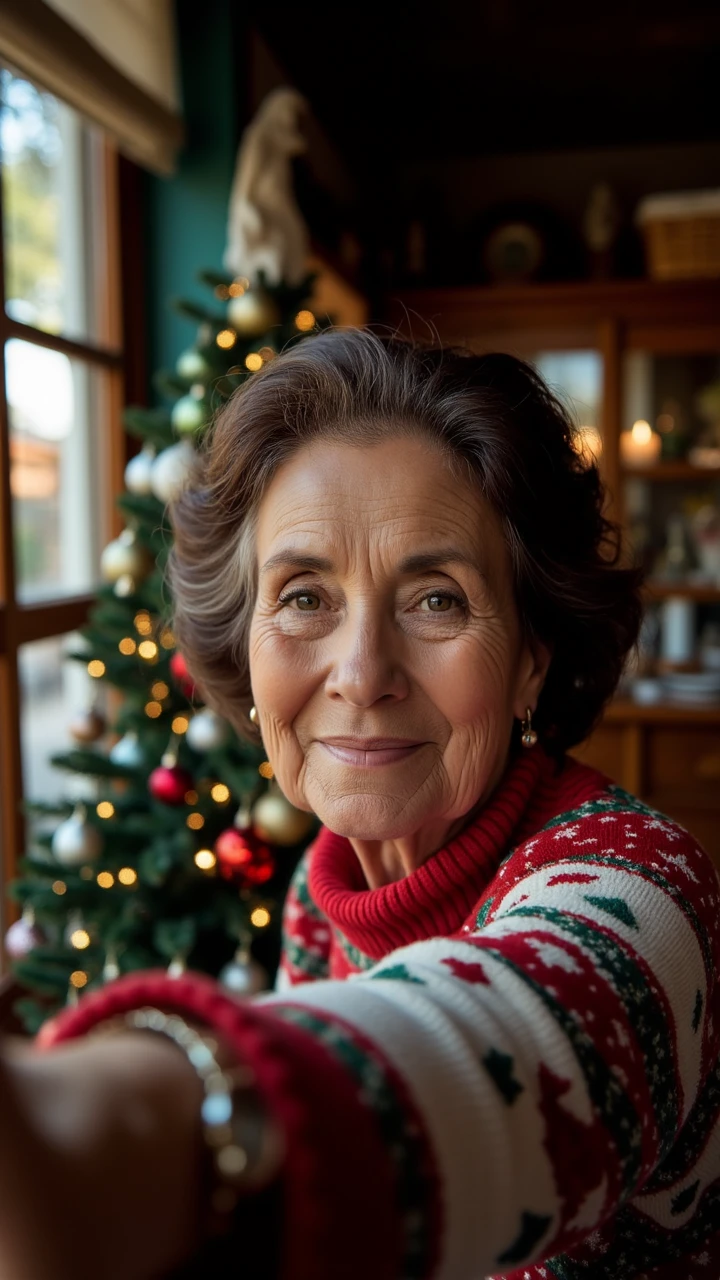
24, 623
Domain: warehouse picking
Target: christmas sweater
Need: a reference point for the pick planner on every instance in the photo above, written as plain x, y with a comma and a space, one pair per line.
506, 1064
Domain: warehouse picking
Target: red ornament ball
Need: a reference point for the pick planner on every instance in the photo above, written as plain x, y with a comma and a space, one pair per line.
242, 857
181, 675
169, 783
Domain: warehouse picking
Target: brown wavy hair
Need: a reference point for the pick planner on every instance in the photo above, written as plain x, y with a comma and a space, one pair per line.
495, 419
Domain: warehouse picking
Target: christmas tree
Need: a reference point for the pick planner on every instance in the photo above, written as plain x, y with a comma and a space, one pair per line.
181, 845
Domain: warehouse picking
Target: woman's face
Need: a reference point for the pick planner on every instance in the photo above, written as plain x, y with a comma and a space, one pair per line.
386, 654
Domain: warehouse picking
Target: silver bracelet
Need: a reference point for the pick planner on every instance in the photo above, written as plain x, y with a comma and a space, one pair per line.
245, 1150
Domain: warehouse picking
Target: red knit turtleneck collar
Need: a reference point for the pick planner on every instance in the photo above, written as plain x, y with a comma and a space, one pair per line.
437, 897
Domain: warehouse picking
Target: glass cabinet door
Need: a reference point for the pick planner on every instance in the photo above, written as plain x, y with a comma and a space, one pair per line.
670, 463
670, 472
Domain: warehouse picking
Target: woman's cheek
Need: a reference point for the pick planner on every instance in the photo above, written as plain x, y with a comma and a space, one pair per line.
472, 680
281, 685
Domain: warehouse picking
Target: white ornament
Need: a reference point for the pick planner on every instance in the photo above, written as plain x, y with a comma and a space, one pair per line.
266, 230
243, 976
125, 557
75, 843
138, 470
189, 414
207, 731
127, 751
193, 366
171, 470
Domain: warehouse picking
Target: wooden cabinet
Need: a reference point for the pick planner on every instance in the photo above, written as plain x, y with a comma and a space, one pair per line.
613, 348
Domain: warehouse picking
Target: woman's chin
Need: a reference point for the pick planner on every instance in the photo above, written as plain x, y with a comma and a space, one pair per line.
363, 817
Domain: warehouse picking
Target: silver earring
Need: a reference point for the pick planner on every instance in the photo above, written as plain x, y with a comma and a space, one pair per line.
529, 736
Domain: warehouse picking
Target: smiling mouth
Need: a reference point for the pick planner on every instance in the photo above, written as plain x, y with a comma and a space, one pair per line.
372, 753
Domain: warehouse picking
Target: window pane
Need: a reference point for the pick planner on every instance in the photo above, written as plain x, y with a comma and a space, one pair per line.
56, 414
48, 210
52, 692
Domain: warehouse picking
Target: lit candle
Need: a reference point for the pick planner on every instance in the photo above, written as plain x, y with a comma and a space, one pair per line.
641, 446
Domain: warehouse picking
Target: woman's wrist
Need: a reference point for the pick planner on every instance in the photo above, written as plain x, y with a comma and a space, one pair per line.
243, 1147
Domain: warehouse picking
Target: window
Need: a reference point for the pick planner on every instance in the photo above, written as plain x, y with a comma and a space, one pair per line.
60, 437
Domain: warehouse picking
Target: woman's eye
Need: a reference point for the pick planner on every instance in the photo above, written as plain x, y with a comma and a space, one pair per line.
441, 602
307, 601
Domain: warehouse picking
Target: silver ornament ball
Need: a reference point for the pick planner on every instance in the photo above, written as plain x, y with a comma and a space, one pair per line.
207, 731
171, 470
243, 976
76, 843
139, 470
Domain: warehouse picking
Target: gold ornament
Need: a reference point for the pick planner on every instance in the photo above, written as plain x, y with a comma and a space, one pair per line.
279, 822
252, 313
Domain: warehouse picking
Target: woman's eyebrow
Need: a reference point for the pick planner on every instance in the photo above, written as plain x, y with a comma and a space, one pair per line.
289, 557
418, 562
421, 561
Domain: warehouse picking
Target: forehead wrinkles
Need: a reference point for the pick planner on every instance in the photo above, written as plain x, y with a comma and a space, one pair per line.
346, 503
298, 505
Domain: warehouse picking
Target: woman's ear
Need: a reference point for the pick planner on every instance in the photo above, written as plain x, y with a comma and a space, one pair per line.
535, 660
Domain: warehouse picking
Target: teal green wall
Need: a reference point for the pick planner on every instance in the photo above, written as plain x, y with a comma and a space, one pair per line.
186, 214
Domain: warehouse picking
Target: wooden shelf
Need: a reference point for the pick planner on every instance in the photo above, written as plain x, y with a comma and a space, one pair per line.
642, 307
666, 471
624, 710
701, 593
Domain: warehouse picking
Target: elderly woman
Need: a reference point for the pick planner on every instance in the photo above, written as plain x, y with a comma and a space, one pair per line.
493, 1050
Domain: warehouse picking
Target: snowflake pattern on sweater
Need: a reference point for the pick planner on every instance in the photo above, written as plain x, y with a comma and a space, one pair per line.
532, 1019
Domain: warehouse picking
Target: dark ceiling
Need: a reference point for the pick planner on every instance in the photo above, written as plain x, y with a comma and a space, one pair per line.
401, 82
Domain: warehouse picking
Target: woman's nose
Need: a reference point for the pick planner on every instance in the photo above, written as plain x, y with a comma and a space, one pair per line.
366, 664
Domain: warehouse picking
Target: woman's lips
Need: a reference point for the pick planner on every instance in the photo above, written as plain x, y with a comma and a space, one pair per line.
368, 757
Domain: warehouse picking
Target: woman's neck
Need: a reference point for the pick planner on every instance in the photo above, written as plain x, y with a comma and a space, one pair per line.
385, 861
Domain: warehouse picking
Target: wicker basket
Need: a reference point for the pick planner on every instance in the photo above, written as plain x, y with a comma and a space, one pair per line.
682, 234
